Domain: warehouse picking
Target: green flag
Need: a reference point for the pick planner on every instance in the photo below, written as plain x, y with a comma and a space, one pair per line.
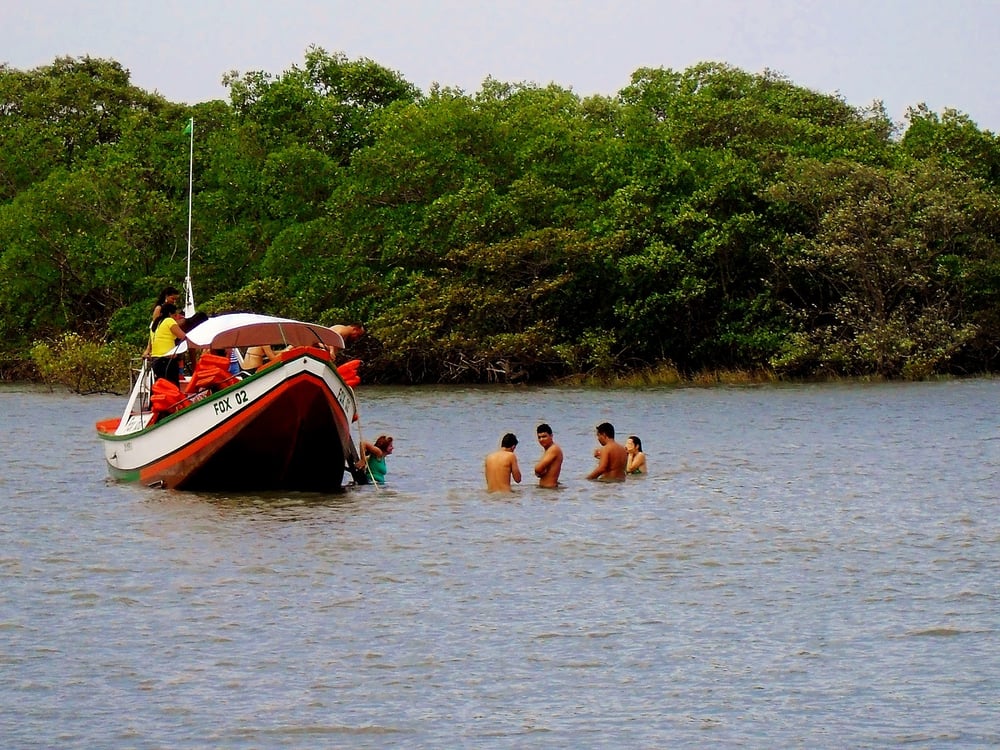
189, 128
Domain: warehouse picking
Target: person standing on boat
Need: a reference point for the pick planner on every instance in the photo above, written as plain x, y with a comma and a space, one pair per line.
501, 465
167, 333
374, 457
548, 467
611, 457
169, 294
636, 464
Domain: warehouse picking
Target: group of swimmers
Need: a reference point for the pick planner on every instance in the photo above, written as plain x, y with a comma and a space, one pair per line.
614, 461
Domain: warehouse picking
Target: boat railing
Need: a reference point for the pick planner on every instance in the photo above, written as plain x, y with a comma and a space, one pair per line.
138, 412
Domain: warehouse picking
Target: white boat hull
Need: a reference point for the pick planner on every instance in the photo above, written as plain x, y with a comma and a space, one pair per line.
286, 427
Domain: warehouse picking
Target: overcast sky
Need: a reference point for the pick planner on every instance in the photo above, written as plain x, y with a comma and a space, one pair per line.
902, 52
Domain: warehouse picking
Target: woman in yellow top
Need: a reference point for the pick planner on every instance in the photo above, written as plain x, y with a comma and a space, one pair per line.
166, 334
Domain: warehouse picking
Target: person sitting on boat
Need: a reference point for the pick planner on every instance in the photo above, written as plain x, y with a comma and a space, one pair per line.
256, 357
373, 461
167, 333
636, 464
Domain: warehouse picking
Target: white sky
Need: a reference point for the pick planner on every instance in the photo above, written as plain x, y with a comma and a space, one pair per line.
904, 52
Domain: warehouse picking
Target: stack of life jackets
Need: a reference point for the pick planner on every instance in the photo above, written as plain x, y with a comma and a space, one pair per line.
349, 372
166, 397
212, 371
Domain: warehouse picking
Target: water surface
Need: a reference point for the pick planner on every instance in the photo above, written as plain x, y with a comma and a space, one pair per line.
810, 566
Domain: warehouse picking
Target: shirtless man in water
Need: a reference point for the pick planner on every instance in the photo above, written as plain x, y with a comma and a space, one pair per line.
550, 464
501, 465
611, 457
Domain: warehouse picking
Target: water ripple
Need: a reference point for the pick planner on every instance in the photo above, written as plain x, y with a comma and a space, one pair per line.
806, 566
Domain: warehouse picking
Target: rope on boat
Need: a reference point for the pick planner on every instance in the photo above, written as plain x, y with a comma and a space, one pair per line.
361, 453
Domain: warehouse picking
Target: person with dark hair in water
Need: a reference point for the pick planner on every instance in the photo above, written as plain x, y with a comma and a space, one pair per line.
611, 457
636, 464
501, 465
550, 464
374, 457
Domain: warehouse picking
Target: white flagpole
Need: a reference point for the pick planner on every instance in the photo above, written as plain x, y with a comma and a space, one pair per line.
188, 288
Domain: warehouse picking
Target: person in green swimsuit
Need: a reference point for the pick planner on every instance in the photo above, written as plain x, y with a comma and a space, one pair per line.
374, 457
636, 463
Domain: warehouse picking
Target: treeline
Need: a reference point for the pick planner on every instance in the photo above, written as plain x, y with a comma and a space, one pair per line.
703, 220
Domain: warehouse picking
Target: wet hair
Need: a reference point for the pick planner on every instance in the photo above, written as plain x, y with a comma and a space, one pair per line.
383, 442
637, 442
606, 428
509, 440
543, 427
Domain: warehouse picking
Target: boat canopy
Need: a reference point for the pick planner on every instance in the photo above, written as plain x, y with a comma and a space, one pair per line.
250, 329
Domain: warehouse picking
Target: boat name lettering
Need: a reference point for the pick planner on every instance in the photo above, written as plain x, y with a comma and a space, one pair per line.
343, 399
223, 406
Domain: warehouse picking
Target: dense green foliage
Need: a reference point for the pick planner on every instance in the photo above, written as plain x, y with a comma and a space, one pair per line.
709, 219
84, 366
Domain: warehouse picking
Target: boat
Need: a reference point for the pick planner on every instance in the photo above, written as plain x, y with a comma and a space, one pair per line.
286, 426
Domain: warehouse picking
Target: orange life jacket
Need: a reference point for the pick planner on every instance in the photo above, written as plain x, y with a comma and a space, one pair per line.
167, 397
349, 372
211, 371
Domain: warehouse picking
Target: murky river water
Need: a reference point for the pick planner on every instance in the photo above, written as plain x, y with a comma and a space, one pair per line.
813, 566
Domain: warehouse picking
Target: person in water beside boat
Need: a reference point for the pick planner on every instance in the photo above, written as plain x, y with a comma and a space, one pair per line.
550, 464
611, 457
373, 457
501, 465
166, 334
636, 464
